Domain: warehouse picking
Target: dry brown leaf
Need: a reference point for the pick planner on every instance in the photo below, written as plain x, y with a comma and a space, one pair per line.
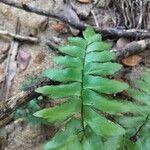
59, 27
84, 1
132, 60
118, 78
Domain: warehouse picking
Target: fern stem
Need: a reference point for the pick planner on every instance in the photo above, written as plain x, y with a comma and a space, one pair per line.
82, 113
82, 99
82, 103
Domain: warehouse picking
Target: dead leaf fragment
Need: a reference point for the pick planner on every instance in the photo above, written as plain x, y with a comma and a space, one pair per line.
132, 60
118, 78
84, 1
59, 27
23, 60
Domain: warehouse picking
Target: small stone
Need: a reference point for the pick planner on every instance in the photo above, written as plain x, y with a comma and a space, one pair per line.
121, 43
23, 60
74, 31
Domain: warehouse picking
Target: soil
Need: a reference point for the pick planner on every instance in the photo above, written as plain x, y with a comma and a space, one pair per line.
17, 135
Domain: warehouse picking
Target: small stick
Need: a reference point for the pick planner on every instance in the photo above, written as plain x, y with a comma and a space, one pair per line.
10, 105
7, 107
10, 60
141, 15
2, 57
95, 19
19, 37
134, 47
80, 25
5, 121
53, 47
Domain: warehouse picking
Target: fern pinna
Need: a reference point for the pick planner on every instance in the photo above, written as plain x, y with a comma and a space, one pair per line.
86, 87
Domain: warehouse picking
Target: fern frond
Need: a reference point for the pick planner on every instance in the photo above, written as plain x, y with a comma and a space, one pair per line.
142, 92
84, 72
138, 124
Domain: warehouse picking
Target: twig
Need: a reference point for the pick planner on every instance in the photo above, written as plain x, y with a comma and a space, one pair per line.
80, 25
2, 57
10, 71
146, 13
134, 47
141, 15
5, 121
95, 19
11, 104
19, 37
53, 46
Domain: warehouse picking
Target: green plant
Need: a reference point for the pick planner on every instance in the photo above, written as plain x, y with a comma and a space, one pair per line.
138, 125
26, 112
90, 114
29, 82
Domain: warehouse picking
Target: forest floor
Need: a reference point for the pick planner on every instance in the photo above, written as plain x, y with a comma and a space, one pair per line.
21, 60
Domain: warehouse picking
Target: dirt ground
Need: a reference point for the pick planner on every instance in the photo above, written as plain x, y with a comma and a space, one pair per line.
37, 57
